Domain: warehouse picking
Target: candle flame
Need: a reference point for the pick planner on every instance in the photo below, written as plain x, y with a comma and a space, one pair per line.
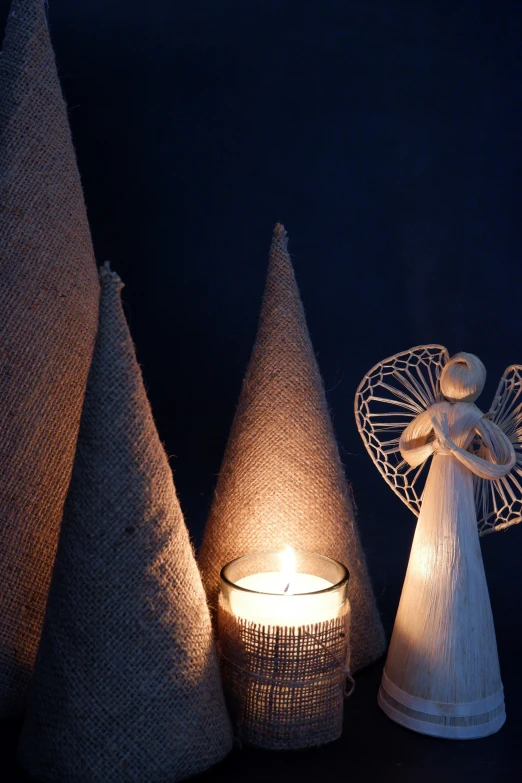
287, 568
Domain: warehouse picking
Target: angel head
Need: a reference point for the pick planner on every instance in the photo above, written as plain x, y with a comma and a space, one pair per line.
462, 378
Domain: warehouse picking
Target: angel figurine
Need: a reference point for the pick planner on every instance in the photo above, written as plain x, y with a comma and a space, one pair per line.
442, 675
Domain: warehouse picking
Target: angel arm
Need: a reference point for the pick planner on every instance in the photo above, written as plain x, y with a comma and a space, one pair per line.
414, 445
500, 451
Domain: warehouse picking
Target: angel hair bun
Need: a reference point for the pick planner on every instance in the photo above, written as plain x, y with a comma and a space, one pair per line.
463, 378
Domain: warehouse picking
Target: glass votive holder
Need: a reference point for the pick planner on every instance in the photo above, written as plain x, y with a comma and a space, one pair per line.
284, 648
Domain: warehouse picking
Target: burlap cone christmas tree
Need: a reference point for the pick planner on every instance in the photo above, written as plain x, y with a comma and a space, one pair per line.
126, 684
49, 303
282, 482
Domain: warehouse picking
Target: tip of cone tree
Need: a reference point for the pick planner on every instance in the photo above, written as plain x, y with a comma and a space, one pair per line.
107, 276
25, 6
280, 235
25, 18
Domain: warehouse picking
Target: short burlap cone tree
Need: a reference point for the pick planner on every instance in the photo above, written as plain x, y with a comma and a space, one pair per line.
282, 482
126, 685
49, 295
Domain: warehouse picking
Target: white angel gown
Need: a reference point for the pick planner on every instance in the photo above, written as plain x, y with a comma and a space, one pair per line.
442, 675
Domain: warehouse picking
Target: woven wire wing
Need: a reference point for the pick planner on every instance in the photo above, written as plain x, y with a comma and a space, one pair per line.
499, 503
393, 393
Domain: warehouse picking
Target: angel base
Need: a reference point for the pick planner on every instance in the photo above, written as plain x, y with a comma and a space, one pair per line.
447, 721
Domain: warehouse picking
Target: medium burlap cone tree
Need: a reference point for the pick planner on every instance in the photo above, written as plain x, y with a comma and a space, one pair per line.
49, 295
126, 685
282, 482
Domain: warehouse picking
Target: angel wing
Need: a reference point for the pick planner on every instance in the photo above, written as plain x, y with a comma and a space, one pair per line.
499, 503
393, 393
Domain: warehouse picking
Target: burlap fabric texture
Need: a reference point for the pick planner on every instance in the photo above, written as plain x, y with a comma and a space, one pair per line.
282, 482
126, 686
285, 686
49, 295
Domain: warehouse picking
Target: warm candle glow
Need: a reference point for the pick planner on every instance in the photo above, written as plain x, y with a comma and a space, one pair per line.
283, 623
286, 596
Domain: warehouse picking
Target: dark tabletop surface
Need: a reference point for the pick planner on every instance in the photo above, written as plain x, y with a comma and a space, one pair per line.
372, 748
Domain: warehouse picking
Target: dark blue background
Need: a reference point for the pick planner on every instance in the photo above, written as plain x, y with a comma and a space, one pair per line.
386, 136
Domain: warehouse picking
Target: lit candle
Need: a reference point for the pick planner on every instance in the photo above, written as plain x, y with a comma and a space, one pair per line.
283, 622
285, 597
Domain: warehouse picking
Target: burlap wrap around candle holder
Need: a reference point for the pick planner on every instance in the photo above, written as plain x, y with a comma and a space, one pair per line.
281, 480
285, 686
126, 686
49, 296
285, 657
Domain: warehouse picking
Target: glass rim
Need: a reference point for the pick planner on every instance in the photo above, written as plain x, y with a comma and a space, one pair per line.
331, 589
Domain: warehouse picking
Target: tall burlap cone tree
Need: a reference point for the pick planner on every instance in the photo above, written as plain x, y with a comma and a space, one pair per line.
282, 482
49, 295
126, 684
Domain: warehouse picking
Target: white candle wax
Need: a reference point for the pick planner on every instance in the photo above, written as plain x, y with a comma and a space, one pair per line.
271, 605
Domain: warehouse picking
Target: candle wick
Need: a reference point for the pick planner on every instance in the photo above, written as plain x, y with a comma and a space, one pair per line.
287, 588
